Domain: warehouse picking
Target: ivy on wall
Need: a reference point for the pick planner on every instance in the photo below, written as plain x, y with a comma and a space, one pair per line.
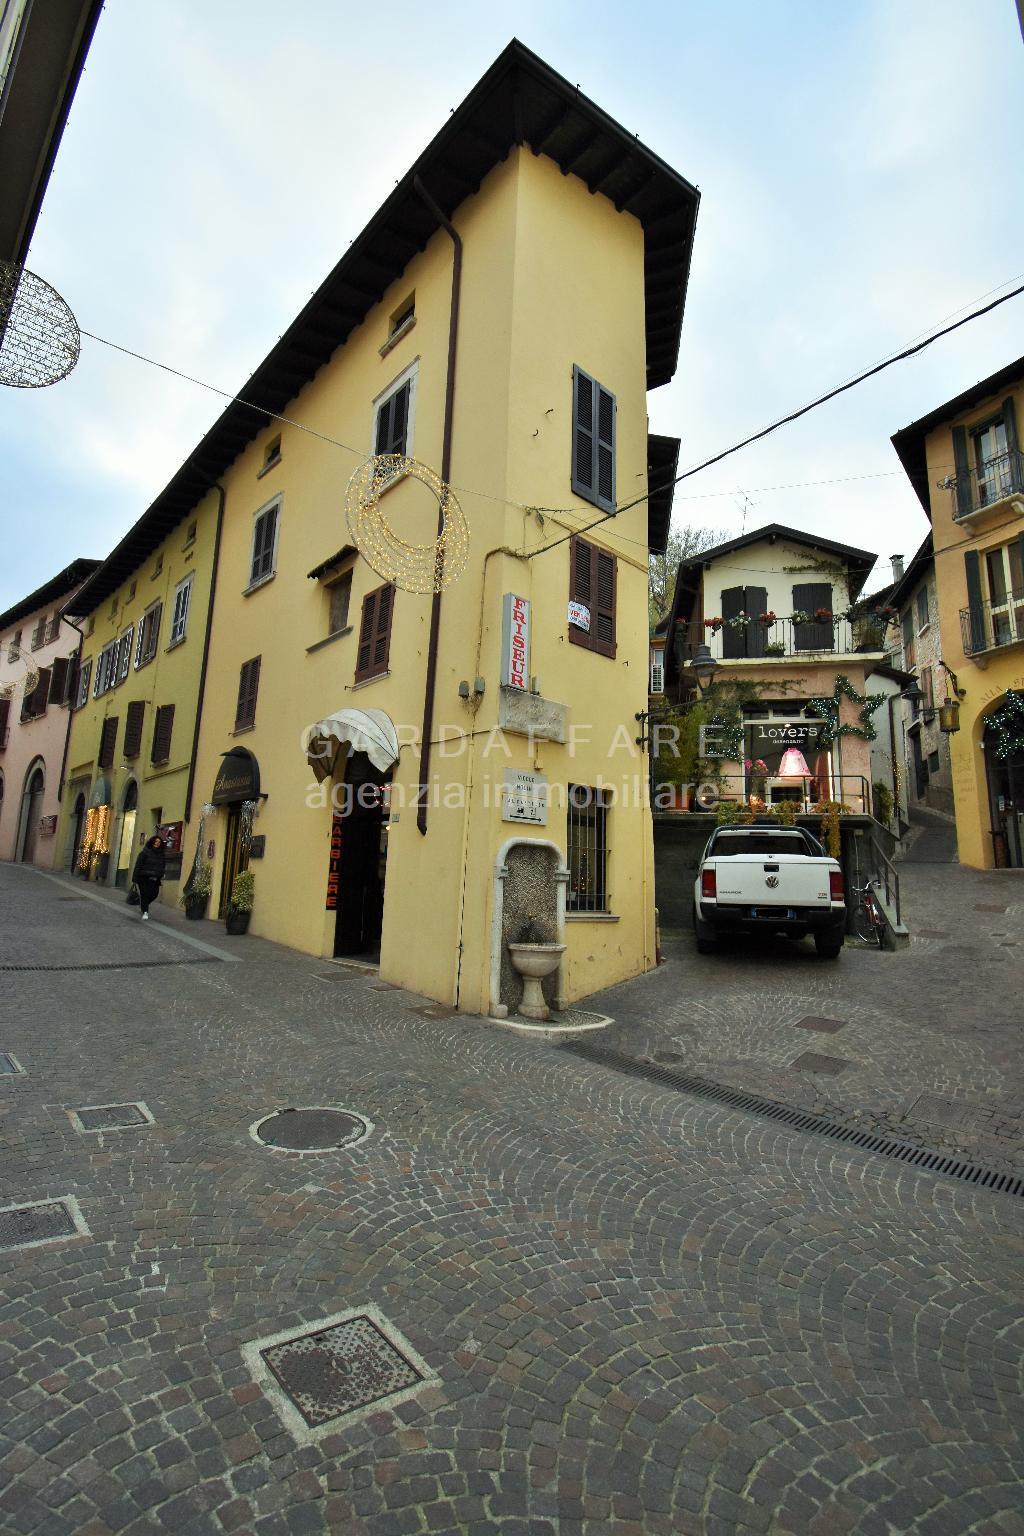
827, 711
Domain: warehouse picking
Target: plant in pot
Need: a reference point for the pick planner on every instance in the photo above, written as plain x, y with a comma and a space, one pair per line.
197, 889
243, 894
534, 955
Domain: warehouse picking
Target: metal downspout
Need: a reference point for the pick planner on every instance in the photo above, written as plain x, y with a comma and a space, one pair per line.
446, 464
71, 710
216, 486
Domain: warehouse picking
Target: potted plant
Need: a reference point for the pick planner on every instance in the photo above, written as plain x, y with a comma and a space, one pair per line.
243, 894
197, 889
775, 648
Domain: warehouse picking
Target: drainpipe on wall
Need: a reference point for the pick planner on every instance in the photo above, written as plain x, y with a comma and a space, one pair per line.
446, 464
216, 486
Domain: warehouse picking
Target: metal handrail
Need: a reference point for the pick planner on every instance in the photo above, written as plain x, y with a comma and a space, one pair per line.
990, 482
988, 625
780, 638
886, 877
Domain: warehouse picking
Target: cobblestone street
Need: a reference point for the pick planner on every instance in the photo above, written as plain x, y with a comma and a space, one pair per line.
629, 1310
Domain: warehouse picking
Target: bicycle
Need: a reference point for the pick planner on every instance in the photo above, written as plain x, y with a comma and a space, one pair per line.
868, 923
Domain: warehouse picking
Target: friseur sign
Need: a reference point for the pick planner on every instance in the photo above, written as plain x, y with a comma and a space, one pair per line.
515, 642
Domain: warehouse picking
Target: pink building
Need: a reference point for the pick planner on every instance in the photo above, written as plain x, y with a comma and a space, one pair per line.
38, 675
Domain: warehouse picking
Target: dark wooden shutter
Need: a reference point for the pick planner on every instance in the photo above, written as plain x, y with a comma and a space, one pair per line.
962, 467
807, 597
163, 726
602, 621
733, 640
593, 444
108, 739
975, 636
755, 603
374, 648
35, 702
5, 714
593, 580
263, 545
393, 421
59, 680
71, 682
133, 728
248, 687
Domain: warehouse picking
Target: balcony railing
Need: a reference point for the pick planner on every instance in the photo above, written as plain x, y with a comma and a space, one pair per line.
993, 481
756, 641
989, 626
765, 792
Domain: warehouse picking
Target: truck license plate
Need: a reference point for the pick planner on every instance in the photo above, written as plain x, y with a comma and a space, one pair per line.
780, 914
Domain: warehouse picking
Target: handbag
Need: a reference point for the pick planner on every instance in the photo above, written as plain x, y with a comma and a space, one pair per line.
133, 896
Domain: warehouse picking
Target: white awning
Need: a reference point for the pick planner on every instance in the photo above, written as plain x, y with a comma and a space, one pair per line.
358, 730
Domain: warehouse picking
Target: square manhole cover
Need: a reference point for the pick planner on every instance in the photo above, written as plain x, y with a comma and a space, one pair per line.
110, 1117
353, 1363
825, 1026
952, 1114
9, 1064
810, 1061
42, 1221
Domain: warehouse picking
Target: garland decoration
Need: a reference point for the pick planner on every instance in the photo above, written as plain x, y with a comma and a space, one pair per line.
1008, 724
426, 567
827, 711
39, 336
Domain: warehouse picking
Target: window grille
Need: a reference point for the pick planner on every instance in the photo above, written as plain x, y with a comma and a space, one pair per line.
588, 849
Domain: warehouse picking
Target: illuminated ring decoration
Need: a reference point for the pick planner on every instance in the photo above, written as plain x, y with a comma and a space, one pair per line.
9, 689
412, 567
39, 336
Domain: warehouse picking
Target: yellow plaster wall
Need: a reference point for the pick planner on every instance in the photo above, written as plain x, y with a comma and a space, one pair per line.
985, 678
552, 276
172, 677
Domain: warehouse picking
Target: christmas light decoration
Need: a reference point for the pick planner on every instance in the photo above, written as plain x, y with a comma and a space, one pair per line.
827, 711
1008, 724
39, 336
412, 567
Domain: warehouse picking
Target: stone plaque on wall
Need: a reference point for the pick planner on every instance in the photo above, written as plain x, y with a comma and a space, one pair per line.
527, 714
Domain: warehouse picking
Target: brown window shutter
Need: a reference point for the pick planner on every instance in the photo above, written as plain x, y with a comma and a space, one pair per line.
40, 694
133, 728
108, 739
602, 620
163, 725
592, 581
374, 648
5, 713
71, 682
58, 680
248, 686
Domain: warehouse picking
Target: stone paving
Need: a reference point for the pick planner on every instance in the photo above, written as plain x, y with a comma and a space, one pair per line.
929, 1037
638, 1313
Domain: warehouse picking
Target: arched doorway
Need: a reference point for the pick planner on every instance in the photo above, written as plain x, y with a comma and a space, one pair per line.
1003, 742
77, 829
31, 810
126, 841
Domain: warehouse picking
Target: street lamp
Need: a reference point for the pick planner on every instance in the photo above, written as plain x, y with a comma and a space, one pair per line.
913, 695
702, 668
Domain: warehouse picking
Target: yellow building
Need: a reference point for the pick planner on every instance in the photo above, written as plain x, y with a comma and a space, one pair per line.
965, 463
417, 775
143, 616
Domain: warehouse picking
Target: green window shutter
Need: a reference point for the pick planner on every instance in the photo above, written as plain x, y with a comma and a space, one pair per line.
593, 440
733, 640
974, 632
605, 469
962, 468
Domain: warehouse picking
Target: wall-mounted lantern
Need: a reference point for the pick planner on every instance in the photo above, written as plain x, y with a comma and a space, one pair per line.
949, 716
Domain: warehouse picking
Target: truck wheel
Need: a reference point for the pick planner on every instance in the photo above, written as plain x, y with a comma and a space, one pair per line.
705, 942
827, 947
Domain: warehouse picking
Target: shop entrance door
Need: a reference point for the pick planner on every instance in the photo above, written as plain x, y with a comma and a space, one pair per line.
1006, 795
235, 856
363, 862
126, 843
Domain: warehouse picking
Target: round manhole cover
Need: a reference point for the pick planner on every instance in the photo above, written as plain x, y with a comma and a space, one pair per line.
311, 1130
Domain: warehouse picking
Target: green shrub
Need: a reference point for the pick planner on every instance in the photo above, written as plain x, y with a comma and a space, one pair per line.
243, 891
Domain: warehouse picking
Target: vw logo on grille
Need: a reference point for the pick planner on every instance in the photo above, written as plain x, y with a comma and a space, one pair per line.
772, 880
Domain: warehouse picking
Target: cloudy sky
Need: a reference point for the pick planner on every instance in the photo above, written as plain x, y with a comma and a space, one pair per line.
859, 170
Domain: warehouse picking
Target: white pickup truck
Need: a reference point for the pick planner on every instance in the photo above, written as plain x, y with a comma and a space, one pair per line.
769, 879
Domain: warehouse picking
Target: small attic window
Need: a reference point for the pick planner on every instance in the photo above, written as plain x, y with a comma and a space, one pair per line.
271, 455
158, 567
190, 535
400, 321
131, 593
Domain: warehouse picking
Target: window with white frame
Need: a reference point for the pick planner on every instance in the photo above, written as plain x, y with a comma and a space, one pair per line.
82, 693
124, 653
106, 670
179, 614
657, 684
393, 413
149, 634
263, 559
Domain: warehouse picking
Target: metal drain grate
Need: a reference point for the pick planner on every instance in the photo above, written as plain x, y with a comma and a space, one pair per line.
342, 1368
924, 1159
9, 1064
110, 1117
42, 1221
117, 965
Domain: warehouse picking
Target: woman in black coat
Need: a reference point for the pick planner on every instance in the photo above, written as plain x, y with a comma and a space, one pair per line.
148, 873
